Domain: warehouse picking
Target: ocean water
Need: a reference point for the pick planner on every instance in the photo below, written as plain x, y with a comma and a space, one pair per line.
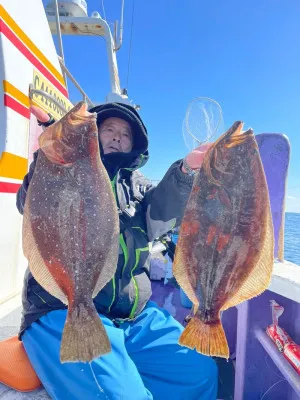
292, 238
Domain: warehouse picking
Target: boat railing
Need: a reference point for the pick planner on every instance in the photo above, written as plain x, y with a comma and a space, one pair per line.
48, 96
71, 77
60, 43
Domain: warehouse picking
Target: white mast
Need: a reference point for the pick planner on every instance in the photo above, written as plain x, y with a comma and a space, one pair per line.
74, 20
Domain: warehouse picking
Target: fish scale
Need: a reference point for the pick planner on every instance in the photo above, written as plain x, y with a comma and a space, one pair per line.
224, 253
71, 229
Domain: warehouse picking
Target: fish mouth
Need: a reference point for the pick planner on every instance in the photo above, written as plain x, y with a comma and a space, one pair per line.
235, 135
237, 128
80, 113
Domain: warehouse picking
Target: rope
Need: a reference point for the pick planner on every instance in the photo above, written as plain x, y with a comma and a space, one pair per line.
270, 388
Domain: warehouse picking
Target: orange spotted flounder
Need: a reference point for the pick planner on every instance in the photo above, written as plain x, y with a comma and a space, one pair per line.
71, 229
225, 249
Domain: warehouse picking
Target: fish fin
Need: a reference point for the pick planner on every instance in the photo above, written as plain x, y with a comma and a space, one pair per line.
84, 337
181, 276
37, 265
207, 339
260, 277
111, 259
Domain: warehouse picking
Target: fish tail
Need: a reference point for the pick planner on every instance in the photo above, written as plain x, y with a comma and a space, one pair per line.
208, 339
84, 336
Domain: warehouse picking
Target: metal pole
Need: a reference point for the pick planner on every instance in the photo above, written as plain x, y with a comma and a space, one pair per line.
118, 46
60, 44
65, 69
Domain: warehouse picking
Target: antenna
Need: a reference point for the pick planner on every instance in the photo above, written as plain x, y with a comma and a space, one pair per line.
119, 44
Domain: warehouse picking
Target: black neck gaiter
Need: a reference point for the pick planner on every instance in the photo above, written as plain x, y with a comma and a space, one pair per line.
113, 162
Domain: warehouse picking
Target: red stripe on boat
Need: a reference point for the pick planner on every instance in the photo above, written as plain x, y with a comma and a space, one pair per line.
30, 57
8, 187
16, 106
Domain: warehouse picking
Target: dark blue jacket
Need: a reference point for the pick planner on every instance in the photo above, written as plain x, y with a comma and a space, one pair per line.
146, 213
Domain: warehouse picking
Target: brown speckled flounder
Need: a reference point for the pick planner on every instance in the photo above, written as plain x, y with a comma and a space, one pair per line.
71, 229
225, 249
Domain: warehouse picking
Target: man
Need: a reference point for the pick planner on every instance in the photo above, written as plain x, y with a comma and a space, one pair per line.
146, 361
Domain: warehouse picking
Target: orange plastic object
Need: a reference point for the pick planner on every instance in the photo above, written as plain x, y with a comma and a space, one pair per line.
15, 368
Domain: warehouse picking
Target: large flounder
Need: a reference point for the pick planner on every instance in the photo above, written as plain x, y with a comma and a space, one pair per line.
71, 229
225, 249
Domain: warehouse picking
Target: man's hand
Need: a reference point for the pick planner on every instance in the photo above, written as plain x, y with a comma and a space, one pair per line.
195, 158
40, 114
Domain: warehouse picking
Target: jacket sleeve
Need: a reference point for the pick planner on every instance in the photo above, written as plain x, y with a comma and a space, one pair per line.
21, 194
165, 204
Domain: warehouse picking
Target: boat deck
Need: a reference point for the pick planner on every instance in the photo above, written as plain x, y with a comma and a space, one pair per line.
251, 344
9, 326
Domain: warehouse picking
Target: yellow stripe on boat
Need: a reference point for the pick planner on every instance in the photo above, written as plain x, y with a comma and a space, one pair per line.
29, 44
16, 93
13, 166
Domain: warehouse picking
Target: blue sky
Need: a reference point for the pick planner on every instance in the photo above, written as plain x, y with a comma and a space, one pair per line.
244, 54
